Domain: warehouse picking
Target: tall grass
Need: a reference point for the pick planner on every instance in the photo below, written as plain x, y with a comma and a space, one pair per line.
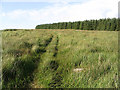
47, 58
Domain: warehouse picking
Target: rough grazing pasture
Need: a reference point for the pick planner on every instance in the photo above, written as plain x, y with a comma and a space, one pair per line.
55, 58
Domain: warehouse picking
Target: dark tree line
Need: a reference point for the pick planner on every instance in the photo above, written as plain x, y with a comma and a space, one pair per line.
101, 24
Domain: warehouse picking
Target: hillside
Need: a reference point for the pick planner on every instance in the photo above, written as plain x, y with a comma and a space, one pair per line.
60, 58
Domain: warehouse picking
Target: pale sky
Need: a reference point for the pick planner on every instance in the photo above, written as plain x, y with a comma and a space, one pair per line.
26, 14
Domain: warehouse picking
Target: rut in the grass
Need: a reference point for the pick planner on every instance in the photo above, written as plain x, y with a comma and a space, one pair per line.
56, 47
54, 64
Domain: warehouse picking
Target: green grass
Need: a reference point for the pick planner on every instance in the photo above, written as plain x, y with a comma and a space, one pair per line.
47, 58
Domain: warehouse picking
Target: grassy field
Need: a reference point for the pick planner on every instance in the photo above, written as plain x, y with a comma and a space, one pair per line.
60, 58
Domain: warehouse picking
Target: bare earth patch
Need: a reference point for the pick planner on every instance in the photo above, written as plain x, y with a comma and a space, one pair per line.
77, 69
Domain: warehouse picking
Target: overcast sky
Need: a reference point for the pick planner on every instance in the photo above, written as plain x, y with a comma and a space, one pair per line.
26, 14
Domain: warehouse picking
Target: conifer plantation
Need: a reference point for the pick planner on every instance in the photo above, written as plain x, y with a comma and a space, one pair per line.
101, 24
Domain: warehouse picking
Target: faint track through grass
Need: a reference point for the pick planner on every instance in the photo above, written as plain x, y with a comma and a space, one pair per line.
20, 72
